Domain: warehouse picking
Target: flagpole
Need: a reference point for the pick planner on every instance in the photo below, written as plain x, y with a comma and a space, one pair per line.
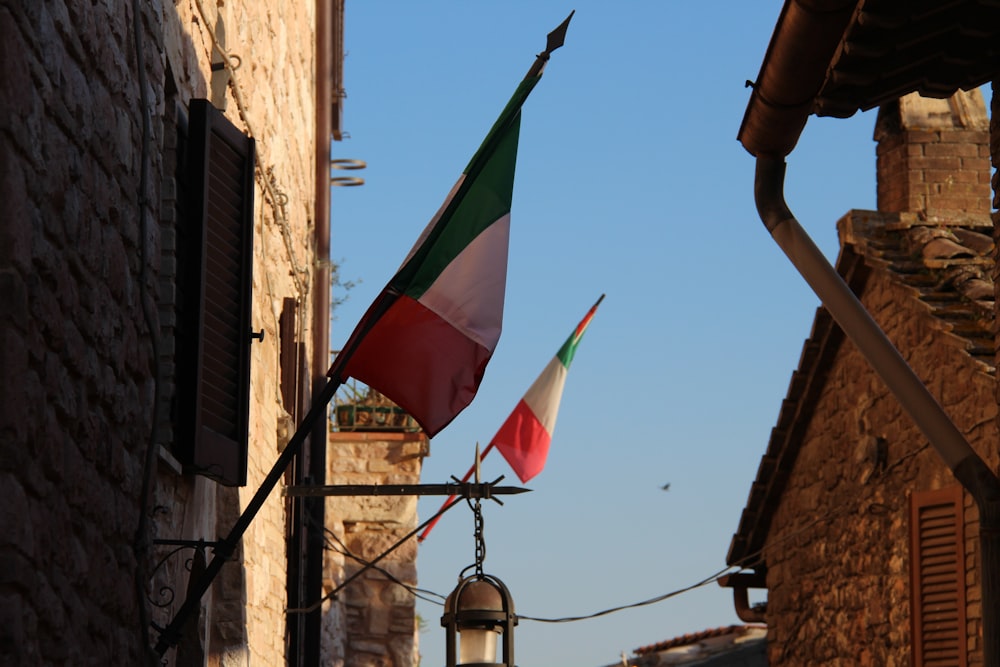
224, 549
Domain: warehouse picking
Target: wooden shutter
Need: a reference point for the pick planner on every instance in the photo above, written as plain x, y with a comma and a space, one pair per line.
288, 357
214, 281
937, 578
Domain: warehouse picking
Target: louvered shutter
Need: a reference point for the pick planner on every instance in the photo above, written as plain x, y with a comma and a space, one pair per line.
937, 578
288, 357
213, 391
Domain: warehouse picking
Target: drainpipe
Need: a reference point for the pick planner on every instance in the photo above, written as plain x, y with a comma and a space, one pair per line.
740, 582
313, 509
913, 396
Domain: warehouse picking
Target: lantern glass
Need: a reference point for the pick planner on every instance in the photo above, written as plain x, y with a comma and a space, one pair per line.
477, 645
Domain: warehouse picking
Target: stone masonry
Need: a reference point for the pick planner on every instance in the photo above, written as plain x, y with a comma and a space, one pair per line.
837, 553
375, 613
86, 320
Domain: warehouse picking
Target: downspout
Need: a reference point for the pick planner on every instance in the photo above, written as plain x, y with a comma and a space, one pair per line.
314, 508
852, 316
741, 582
886, 360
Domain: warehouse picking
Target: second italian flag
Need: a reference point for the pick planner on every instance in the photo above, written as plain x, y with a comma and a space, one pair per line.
525, 437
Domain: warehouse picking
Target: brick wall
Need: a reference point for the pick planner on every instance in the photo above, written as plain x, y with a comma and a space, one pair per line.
79, 260
837, 553
933, 154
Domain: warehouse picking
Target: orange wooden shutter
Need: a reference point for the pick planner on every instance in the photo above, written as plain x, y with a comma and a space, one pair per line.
937, 578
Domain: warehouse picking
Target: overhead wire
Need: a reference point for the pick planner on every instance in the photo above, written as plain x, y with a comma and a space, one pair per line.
835, 513
659, 598
367, 566
831, 515
341, 548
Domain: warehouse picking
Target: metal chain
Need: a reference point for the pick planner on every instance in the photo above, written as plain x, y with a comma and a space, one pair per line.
480, 543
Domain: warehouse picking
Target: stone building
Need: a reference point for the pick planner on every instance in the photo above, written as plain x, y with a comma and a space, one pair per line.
865, 542
164, 169
873, 521
376, 620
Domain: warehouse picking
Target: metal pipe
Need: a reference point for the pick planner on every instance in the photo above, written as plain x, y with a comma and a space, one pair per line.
321, 219
852, 316
740, 583
312, 466
225, 547
804, 41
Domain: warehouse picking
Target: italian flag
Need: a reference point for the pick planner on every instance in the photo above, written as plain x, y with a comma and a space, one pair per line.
426, 340
524, 438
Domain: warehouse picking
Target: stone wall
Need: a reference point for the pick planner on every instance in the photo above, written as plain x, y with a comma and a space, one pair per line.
267, 93
837, 553
995, 163
373, 622
77, 390
85, 269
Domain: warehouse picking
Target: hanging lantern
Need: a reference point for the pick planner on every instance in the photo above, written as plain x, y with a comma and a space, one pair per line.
479, 617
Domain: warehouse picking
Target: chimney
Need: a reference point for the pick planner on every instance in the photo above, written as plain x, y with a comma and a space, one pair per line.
934, 154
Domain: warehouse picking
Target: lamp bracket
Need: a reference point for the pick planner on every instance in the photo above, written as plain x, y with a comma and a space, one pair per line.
462, 489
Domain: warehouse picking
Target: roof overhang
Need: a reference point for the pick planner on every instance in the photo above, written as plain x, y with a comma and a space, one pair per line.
837, 57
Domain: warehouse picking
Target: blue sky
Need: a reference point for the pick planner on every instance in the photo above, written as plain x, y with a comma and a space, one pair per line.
630, 182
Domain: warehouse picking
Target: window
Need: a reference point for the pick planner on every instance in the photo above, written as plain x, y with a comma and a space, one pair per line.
214, 236
937, 578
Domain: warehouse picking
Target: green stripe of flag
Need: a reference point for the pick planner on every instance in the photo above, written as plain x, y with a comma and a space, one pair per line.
484, 196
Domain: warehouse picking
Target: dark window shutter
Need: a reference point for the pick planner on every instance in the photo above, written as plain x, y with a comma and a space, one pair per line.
937, 578
288, 357
215, 237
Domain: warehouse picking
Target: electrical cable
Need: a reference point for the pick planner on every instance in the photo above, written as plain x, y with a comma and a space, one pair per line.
829, 516
332, 594
643, 603
735, 567
342, 549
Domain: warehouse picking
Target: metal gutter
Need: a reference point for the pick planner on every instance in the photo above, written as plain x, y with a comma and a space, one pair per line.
792, 73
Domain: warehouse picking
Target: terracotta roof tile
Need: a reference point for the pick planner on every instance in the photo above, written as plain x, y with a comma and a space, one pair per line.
946, 258
698, 637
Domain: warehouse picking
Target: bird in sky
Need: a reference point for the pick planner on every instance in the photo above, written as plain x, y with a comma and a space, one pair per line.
666, 487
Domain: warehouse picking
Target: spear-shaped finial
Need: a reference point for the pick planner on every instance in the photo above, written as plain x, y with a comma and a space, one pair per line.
479, 460
555, 39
